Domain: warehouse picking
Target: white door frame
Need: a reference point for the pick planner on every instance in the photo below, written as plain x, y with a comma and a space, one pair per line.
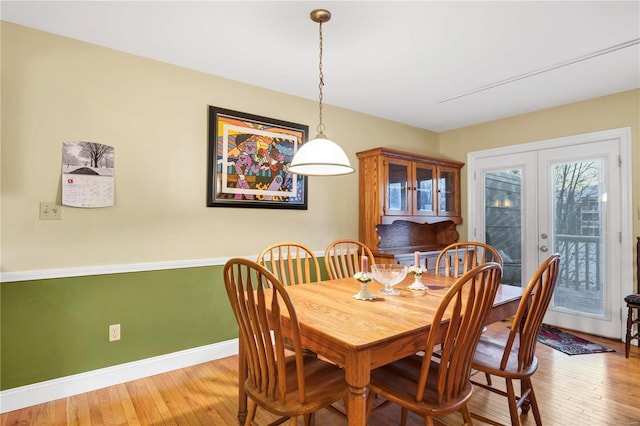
623, 135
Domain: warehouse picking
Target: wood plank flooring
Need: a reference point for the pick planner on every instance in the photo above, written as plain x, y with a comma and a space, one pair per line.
597, 389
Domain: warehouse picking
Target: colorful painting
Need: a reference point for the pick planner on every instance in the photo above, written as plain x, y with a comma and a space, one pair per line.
249, 157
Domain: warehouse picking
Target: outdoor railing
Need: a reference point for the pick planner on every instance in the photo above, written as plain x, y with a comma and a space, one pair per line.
580, 264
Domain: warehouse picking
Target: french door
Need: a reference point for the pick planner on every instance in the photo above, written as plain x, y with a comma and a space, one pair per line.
570, 196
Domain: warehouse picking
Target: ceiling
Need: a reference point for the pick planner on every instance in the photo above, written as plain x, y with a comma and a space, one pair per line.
390, 59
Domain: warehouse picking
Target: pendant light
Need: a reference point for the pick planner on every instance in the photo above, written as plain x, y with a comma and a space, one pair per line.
320, 156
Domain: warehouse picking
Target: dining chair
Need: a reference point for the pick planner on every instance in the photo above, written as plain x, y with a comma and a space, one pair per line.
458, 258
291, 262
514, 358
433, 387
285, 383
633, 304
343, 258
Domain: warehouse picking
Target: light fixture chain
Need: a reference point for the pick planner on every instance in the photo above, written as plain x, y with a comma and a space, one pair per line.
320, 128
320, 156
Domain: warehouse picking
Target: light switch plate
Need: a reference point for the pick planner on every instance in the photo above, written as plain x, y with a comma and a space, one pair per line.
50, 211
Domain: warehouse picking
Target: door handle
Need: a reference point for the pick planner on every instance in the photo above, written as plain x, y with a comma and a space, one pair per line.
544, 249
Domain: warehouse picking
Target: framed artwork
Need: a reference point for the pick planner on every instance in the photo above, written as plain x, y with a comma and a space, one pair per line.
248, 161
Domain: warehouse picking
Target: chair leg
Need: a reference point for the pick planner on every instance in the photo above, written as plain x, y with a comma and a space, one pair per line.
627, 341
466, 415
369, 407
403, 417
309, 419
513, 407
251, 412
532, 401
637, 322
242, 377
523, 402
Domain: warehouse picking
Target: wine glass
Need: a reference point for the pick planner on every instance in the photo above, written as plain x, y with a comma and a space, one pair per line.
389, 274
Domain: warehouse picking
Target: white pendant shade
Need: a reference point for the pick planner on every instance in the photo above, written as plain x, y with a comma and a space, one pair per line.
320, 157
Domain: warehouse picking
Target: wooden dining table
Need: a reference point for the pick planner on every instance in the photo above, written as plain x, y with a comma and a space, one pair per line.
361, 335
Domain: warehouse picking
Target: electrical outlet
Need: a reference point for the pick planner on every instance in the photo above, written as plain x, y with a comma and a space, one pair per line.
50, 211
114, 332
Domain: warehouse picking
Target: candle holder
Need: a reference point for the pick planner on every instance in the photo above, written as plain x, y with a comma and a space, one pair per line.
364, 294
417, 272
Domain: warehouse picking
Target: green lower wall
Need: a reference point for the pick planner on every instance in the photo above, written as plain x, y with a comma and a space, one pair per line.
58, 327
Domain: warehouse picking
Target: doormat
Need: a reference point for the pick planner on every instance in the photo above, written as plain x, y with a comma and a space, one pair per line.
568, 343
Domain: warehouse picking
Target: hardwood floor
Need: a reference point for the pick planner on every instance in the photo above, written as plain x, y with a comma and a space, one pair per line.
598, 389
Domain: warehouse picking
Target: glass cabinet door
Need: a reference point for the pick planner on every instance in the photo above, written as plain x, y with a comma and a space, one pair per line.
424, 189
397, 191
448, 202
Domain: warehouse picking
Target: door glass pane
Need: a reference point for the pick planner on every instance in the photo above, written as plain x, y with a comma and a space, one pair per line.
577, 207
503, 220
397, 187
424, 194
447, 187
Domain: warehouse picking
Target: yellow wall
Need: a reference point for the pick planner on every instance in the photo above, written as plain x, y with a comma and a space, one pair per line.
55, 89
608, 112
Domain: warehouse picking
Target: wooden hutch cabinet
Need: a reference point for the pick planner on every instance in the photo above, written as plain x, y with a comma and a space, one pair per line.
408, 202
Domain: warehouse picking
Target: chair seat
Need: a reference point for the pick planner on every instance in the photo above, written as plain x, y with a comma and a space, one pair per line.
489, 354
324, 383
632, 299
398, 382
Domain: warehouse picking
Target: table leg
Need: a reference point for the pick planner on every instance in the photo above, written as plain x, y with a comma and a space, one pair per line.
242, 377
357, 373
356, 406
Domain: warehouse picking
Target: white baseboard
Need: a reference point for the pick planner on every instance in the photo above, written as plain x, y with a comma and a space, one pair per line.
38, 393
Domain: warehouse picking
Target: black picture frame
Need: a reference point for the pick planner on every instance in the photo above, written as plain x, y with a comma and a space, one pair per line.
248, 161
